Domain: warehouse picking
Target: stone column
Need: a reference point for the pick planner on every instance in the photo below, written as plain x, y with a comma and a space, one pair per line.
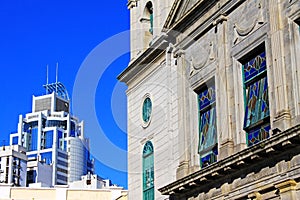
278, 83
183, 144
287, 190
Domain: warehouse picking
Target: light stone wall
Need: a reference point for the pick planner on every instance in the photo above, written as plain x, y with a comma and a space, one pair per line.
59, 193
138, 41
217, 54
213, 47
159, 81
37, 194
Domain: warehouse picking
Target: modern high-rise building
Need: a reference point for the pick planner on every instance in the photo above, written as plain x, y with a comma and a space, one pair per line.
54, 137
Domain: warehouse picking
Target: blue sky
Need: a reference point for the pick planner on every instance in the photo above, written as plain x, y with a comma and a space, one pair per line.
34, 34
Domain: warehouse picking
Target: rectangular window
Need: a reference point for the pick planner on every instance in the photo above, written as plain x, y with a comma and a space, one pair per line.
46, 157
207, 149
48, 139
15, 140
256, 121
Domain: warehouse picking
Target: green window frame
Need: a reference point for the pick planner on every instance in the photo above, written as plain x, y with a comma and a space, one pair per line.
148, 171
256, 98
208, 142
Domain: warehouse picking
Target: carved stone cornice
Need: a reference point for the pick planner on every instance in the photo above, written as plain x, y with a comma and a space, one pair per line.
158, 46
284, 145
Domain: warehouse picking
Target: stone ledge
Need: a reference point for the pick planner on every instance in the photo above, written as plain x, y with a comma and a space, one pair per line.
251, 158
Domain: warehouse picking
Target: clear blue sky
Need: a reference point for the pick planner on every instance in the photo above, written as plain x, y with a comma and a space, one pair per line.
35, 33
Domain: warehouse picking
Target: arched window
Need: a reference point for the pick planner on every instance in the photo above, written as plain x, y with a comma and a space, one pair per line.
148, 172
149, 13
147, 24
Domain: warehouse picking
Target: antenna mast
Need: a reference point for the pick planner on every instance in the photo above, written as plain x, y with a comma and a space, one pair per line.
56, 77
47, 77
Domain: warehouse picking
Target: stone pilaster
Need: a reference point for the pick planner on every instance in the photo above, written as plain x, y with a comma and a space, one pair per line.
224, 85
184, 146
277, 70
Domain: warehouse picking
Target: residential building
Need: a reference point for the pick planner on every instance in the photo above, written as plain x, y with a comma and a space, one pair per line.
13, 165
213, 99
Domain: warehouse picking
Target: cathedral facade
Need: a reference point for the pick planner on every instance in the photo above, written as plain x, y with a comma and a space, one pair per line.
214, 99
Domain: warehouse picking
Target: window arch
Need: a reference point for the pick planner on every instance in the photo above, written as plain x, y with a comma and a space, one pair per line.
148, 172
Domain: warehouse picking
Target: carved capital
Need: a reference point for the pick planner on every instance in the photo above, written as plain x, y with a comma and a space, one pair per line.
179, 53
220, 19
255, 196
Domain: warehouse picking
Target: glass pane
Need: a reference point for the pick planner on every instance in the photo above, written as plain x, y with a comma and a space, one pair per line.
206, 97
148, 172
209, 157
255, 66
208, 133
147, 109
207, 126
256, 135
48, 139
257, 102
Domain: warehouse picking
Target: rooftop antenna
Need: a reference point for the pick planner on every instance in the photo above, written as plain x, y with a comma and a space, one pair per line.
3, 145
56, 77
47, 74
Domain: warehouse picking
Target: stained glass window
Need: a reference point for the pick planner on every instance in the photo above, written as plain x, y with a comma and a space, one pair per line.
147, 109
148, 172
207, 126
256, 121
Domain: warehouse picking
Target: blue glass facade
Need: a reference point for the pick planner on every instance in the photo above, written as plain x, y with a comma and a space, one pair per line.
48, 139
34, 139
73, 130
47, 157
15, 140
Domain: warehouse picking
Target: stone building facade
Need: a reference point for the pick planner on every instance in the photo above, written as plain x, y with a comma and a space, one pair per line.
214, 99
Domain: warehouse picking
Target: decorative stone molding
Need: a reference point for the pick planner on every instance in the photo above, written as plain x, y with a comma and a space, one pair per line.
286, 186
197, 62
240, 31
132, 4
220, 19
255, 196
178, 53
239, 162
